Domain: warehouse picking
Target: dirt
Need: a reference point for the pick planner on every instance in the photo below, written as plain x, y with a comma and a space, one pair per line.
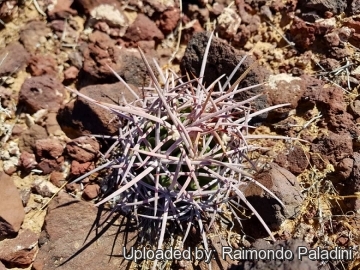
305, 51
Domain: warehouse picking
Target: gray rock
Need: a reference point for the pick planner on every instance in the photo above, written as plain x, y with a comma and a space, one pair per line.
287, 189
222, 59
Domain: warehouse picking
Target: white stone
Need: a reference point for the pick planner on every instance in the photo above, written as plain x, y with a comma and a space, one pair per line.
110, 14
274, 79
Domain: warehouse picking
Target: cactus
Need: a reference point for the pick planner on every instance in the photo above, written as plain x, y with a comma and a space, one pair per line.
181, 153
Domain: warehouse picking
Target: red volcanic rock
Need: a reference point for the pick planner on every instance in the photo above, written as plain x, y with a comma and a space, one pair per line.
143, 29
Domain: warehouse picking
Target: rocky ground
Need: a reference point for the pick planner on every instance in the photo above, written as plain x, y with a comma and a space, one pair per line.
306, 51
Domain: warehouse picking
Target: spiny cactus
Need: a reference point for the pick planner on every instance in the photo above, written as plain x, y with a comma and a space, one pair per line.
182, 152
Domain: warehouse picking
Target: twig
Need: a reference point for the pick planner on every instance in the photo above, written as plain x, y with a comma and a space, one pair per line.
36, 4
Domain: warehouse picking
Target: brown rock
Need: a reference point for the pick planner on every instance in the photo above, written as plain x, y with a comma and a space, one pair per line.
143, 29
78, 169
292, 89
58, 26
343, 123
147, 46
251, 20
43, 92
73, 187
68, 232
318, 161
330, 101
8, 10
190, 29
330, 63
49, 148
302, 34
169, 19
30, 136
242, 36
133, 69
57, 178
6, 95
37, 265
332, 39
47, 166
100, 53
83, 149
353, 23
295, 160
91, 192
20, 251
27, 161
345, 167
42, 64
198, 13
18, 130
103, 52
11, 209
44, 188
71, 73
16, 58
342, 240
32, 33
355, 107
340, 53
51, 124
334, 146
